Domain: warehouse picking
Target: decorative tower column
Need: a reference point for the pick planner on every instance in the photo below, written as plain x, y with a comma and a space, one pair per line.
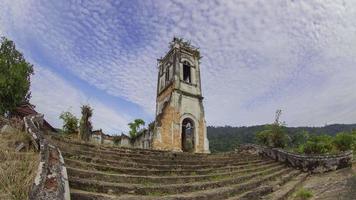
180, 123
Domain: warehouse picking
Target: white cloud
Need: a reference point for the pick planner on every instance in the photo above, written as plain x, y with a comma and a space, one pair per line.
257, 56
53, 95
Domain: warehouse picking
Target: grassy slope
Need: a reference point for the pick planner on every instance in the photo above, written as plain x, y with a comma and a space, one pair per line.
17, 170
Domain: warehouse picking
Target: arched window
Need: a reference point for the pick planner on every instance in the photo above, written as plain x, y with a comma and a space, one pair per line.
187, 72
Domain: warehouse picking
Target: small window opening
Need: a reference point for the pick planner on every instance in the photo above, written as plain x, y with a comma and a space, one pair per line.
167, 75
186, 72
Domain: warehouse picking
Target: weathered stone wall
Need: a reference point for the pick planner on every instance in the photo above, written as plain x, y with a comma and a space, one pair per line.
51, 181
143, 141
310, 163
179, 99
169, 124
167, 135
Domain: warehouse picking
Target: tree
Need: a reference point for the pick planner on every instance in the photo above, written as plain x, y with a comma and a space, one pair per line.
274, 134
70, 122
135, 127
15, 74
299, 138
263, 137
85, 127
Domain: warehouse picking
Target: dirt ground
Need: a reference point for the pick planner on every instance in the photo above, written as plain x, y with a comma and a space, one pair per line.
337, 185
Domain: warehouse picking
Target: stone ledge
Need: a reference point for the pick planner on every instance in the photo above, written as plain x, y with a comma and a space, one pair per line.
306, 163
51, 181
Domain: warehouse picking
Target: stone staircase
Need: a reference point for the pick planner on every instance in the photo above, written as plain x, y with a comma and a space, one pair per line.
98, 172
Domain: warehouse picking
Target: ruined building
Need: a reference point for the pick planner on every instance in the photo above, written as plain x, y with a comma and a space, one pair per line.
180, 123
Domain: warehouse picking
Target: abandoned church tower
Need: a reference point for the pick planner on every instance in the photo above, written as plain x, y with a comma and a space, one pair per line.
180, 123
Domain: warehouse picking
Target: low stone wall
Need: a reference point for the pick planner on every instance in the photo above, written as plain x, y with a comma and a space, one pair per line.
307, 163
51, 181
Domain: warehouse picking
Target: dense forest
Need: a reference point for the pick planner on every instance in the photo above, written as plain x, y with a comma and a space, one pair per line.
227, 138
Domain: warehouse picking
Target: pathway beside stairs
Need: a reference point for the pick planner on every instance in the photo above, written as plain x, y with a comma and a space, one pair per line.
111, 173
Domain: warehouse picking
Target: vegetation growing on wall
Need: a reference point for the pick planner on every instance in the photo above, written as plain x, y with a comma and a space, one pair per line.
135, 127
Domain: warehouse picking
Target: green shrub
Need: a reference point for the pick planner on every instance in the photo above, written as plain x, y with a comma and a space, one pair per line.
263, 137
70, 122
304, 194
344, 141
318, 145
274, 135
298, 139
353, 133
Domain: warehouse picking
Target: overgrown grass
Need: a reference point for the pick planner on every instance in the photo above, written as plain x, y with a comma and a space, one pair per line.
303, 194
17, 169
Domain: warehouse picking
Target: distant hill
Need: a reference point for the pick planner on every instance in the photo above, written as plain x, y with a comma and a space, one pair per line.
227, 138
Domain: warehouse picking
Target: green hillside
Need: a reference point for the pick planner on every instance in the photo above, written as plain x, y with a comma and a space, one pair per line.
227, 138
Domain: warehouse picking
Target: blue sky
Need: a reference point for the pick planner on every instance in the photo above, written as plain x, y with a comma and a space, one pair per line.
298, 56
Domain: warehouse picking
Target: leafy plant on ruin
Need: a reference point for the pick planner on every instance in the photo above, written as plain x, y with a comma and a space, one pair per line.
85, 126
14, 77
117, 139
70, 122
135, 127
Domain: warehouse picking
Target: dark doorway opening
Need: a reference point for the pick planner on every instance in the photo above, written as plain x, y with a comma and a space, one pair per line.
187, 135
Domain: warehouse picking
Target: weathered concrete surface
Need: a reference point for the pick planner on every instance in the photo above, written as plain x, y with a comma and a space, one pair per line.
340, 184
179, 99
51, 181
311, 163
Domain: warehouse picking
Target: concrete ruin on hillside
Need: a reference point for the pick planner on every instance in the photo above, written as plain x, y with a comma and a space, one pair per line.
180, 122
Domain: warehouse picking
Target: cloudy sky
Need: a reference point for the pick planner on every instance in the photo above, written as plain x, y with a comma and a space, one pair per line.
258, 56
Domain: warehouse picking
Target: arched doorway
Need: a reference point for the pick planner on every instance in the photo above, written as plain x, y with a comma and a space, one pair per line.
188, 135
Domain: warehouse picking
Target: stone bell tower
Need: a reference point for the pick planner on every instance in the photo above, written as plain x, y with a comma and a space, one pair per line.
180, 123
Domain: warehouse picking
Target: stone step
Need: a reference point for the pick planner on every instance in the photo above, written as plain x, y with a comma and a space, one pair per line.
145, 180
218, 193
128, 163
139, 189
139, 152
85, 195
158, 161
147, 171
157, 167
144, 152
285, 190
55, 139
253, 194
147, 153
267, 188
171, 157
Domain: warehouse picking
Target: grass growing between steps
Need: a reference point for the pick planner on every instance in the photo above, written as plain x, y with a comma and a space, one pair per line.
303, 194
17, 169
